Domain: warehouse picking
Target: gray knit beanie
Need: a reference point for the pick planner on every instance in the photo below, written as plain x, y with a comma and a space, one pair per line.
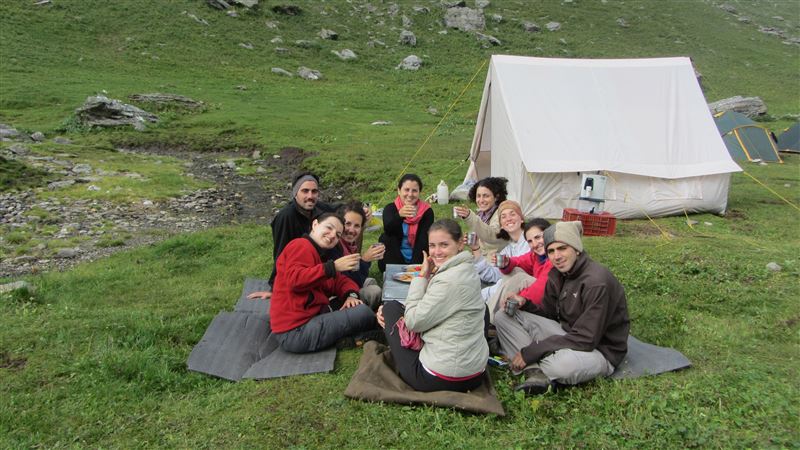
302, 179
567, 232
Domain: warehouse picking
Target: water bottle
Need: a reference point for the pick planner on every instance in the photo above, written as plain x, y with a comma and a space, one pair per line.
442, 193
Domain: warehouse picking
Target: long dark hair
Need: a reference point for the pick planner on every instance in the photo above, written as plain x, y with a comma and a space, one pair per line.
495, 184
356, 207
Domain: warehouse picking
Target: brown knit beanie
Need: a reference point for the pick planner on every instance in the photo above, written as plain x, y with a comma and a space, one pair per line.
510, 204
567, 232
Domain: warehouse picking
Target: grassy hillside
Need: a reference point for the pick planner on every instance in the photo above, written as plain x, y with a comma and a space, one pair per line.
96, 357
56, 55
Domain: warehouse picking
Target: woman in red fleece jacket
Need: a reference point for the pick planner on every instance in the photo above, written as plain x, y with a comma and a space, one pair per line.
301, 316
534, 263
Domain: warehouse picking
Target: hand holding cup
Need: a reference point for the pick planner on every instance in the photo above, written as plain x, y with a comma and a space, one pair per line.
461, 211
374, 252
347, 263
408, 211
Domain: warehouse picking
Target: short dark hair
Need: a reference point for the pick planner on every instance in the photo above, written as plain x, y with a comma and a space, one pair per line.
537, 222
409, 177
495, 184
356, 207
322, 217
449, 226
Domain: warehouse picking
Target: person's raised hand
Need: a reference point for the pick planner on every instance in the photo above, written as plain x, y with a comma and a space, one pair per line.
347, 263
407, 211
259, 295
368, 214
427, 265
375, 251
462, 211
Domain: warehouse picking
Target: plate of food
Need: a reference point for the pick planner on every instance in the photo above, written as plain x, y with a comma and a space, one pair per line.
412, 268
404, 277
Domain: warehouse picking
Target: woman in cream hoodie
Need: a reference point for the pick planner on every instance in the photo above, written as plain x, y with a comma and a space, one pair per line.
444, 305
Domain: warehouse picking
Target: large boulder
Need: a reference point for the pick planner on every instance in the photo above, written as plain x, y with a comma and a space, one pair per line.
328, 34
408, 38
464, 19
749, 106
101, 111
345, 55
309, 74
410, 62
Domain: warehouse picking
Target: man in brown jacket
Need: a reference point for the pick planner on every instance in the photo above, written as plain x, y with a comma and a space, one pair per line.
580, 331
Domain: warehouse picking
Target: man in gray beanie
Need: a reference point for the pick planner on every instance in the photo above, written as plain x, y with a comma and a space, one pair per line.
579, 332
294, 219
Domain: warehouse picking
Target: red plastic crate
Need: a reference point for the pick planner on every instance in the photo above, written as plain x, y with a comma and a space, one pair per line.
602, 224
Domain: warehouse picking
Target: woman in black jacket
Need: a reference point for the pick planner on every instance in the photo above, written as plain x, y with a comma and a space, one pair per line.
406, 222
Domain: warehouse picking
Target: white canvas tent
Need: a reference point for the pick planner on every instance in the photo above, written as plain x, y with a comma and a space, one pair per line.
642, 122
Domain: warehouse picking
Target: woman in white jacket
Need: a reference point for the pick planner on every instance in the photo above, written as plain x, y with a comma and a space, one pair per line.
444, 305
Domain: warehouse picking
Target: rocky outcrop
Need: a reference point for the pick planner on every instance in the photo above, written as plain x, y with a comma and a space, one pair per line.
464, 19
749, 106
100, 111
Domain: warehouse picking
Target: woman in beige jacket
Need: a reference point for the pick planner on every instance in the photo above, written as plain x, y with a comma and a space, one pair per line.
445, 307
487, 194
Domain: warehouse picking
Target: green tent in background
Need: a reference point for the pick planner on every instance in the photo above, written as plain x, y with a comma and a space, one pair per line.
745, 139
789, 140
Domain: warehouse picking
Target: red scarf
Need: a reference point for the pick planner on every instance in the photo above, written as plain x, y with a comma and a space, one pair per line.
413, 222
348, 249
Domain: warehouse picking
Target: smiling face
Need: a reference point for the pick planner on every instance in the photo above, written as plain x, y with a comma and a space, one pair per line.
327, 233
352, 227
442, 246
562, 256
484, 198
510, 221
307, 195
409, 192
535, 238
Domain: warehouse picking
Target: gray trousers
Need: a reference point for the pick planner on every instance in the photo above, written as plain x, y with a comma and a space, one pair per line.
325, 329
370, 293
565, 366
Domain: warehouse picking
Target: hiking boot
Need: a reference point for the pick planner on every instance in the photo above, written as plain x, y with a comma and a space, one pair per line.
494, 346
536, 382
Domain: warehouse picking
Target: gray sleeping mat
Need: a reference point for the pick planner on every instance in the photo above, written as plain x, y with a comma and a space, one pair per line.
240, 344
647, 359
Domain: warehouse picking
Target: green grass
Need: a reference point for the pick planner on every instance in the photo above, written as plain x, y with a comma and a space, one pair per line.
105, 344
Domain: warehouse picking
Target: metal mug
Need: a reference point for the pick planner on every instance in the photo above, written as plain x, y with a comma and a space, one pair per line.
502, 261
455, 213
472, 239
512, 306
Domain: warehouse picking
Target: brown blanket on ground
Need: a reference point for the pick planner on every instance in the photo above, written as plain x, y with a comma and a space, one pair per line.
376, 380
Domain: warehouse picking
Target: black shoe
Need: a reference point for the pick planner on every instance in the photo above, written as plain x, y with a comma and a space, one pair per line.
536, 383
371, 335
345, 343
